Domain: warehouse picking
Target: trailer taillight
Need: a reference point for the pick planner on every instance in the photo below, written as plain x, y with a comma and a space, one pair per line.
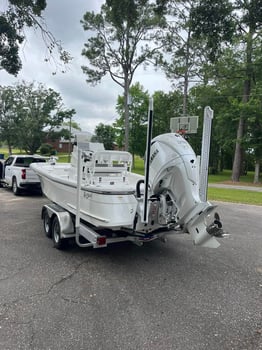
101, 240
23, 176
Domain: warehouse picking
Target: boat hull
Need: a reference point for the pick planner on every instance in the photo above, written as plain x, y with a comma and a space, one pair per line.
102, 206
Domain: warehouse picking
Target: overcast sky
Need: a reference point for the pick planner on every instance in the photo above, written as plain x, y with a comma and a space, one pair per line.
92, 104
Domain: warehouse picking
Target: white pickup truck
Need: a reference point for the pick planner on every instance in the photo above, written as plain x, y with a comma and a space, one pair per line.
16, 173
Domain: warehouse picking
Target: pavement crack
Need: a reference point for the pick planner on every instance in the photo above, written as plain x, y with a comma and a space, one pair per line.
65, 278
7, 305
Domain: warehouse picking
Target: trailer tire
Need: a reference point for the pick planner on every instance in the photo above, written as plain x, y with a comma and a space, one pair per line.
59, 243
47, 224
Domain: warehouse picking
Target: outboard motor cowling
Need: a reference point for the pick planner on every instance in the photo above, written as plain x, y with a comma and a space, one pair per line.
174, 169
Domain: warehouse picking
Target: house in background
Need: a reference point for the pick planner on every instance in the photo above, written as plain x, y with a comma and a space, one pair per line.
63, 145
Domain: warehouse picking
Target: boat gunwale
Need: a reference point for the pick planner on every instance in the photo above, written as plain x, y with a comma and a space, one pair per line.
85, 188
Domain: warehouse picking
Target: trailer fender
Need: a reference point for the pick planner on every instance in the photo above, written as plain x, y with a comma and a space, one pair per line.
63, 216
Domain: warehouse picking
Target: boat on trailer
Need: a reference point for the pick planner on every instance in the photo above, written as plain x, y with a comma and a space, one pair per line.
107, 191
98, 197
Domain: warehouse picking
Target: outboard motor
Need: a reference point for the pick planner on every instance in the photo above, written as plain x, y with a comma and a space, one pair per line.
174, 174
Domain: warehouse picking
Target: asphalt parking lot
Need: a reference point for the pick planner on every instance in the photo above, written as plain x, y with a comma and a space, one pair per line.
169, 295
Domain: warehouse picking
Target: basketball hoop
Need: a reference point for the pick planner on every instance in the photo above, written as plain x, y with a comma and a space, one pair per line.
181, 132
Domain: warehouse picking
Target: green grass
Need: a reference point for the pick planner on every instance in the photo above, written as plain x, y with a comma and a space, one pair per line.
62, 157
138, 166
4, 151
220, 177
235, 196
225, 177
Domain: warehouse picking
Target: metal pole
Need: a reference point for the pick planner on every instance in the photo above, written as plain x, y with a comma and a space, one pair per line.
148, 147
78, 194
203, 183
69, 141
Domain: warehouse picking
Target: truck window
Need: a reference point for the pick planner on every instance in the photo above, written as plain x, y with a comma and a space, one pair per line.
9, 161
38, 160
26, 161
19, 162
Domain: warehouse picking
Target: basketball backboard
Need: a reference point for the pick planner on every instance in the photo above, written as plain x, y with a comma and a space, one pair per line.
186, 125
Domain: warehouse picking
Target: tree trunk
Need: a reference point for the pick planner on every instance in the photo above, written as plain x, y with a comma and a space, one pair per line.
257, 171
186, 76
236, 171
9, 144
185, 95
9, 149
126, 117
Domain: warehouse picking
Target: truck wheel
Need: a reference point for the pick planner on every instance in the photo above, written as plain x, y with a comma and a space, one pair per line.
47, 224
15, 187
56, 235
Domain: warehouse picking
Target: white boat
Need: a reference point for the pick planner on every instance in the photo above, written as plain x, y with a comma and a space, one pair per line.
107, 197
99, 187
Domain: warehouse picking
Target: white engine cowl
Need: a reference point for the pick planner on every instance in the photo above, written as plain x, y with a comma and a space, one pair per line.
174, 170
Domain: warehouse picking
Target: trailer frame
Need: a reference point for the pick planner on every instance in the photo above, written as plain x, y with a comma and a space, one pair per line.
53, 215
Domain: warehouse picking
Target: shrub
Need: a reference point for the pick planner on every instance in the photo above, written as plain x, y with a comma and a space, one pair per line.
46, 149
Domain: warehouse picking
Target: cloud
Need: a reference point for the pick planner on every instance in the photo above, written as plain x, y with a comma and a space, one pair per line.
92, 104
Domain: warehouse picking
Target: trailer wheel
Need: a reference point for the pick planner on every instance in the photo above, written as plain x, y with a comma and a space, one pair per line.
47, 224
56, 235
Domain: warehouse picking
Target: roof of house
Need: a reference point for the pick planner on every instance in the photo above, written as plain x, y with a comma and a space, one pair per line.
74, 132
